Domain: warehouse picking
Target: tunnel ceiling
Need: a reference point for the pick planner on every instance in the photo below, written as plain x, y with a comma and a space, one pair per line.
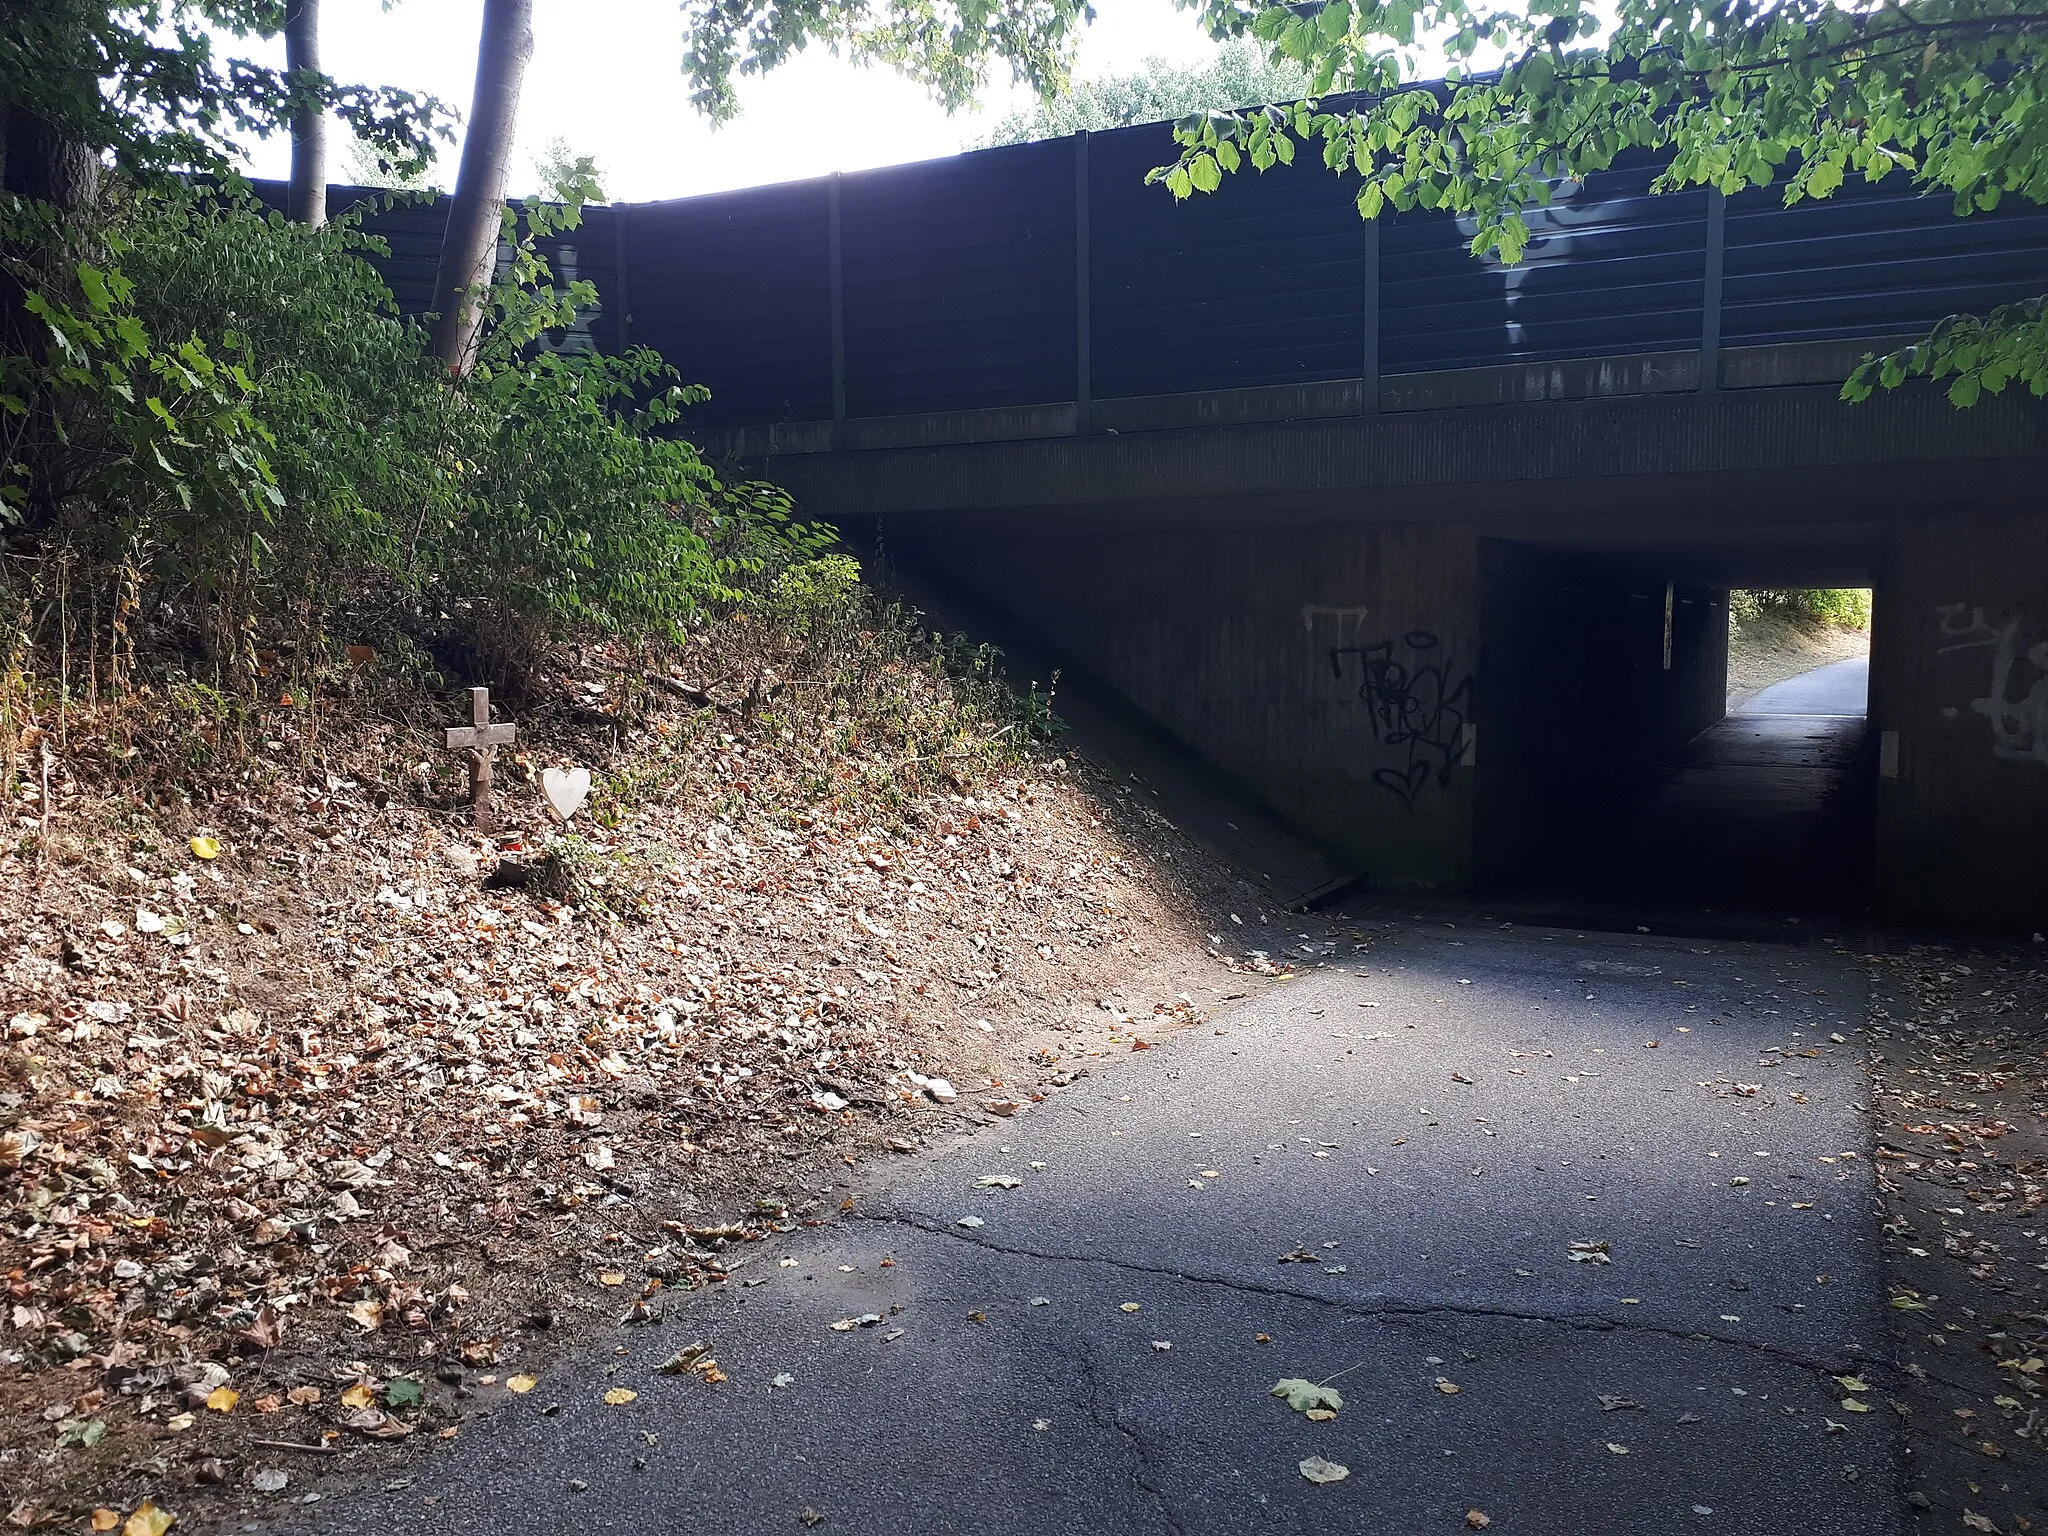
1827, 554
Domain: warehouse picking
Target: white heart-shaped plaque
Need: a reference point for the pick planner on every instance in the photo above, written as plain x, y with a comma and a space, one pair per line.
566, 789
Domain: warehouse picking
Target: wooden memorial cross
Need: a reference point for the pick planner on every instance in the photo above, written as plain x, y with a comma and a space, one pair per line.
481, 740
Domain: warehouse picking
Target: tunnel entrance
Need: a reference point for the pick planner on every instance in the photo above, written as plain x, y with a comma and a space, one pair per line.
1639, 763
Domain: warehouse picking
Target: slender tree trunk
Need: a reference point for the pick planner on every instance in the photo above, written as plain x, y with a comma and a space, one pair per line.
309, 123
478, 207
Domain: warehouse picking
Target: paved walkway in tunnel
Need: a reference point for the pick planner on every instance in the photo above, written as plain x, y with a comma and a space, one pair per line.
1376, 1177
1768, 811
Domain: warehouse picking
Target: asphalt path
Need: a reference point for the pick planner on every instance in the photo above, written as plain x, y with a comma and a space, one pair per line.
1839, 688
1094, 1349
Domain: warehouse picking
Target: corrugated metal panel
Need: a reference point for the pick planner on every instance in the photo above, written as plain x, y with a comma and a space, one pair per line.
959, 282
1264, 284
1873, 260
1610, 270
735, 291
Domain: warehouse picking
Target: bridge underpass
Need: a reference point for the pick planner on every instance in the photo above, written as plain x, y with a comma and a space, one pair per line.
1531, 700
1398, 541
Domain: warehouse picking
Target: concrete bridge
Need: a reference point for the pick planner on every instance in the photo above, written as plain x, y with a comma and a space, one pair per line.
1430, 554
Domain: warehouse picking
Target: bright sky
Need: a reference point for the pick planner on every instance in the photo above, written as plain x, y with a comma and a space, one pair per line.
607, 77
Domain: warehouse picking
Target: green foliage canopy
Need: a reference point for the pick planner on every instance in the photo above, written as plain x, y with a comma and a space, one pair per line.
1731, 94
1240, 76
144, 84
946, 47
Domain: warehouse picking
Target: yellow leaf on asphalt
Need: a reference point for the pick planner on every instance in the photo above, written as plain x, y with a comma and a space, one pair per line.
205, 848
521, 1383
611, 1277
1317, 1470
105, 1519
1129, 1306
361, 1395
223, 1399
1448, 1388
148, 1520
1852, 1383
1854, 1405
1477, 1520
618, 1396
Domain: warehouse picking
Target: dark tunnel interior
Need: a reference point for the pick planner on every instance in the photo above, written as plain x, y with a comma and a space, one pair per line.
1613, 773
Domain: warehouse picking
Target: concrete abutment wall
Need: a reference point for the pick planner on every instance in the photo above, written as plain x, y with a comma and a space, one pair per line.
1333, 670
1959, 696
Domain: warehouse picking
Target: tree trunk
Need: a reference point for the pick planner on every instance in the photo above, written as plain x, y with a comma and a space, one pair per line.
309, 122
43, 165
477, 212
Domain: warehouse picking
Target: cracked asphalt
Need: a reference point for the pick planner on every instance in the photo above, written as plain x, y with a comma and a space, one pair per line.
1688, 1104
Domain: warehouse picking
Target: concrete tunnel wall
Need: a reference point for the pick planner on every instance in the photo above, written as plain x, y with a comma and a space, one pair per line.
1331, 670
1443, 708
1959, 696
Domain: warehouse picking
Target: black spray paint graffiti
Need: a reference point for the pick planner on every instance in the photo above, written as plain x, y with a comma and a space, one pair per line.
1414, 706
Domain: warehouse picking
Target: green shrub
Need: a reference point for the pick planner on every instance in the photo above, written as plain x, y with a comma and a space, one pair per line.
229, 408
1842, 607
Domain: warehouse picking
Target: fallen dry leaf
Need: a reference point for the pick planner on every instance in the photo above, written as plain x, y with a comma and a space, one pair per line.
223, 1399
1317, 1470
148, 1520
521, 1383
618, 1396
361, 1395
1476, 1520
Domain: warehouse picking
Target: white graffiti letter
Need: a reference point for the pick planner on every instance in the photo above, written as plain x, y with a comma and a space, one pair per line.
2019, 727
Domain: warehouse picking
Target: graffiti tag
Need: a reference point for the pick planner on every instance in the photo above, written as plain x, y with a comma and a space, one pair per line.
2019, 725
1414, 708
